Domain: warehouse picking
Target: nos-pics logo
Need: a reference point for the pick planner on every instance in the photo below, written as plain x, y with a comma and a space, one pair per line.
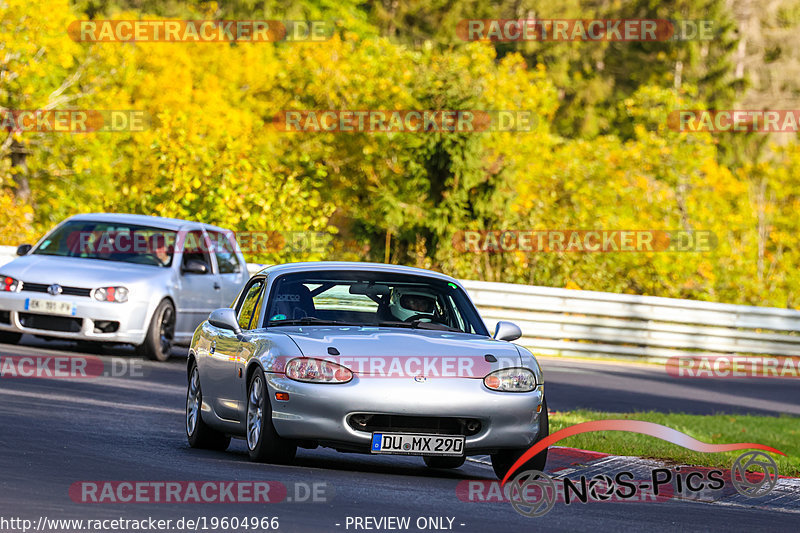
533, 493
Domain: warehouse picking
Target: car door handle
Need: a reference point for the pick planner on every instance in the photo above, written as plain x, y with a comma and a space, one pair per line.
213, 347
216, 286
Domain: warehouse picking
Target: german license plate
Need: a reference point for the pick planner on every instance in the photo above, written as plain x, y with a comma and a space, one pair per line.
51, 307
411, 444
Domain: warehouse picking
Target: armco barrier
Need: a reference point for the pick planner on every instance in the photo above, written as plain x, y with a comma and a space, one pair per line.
7, 253
587, 323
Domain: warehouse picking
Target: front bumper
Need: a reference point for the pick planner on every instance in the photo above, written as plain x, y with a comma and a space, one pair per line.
88, 315
321, 412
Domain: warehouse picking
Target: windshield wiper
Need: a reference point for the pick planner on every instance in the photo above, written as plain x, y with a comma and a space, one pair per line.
308, 321
418, 324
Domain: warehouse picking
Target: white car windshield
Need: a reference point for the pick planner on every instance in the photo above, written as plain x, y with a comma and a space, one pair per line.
371, 299
110, 241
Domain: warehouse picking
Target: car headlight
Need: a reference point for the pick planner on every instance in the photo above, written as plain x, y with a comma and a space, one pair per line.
9, 284
511, 380
317, 371
111, 294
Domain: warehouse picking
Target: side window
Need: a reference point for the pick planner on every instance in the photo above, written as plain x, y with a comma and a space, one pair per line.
195, 248
250, 304
226, 257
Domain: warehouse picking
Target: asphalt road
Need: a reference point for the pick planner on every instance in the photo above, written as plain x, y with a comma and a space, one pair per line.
56, 433
620, 387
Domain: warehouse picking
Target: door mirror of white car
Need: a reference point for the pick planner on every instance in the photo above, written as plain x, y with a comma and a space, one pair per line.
23, 249
225, 318
507, 331
195, 266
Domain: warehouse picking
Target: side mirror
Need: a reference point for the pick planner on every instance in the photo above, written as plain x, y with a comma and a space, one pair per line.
23, 249
507, 331
195, 266
225, 318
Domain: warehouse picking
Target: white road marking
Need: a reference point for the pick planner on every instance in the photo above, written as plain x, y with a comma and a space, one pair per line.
89, 402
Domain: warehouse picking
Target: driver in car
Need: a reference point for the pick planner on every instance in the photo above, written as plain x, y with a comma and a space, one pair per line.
408, 303
158, 247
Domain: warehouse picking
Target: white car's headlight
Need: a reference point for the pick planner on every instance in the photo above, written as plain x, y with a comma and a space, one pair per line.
8, 284
317, 371
111, 294
511, 380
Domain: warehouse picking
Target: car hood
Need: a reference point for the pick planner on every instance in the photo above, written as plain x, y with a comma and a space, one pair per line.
77, 272
370, 350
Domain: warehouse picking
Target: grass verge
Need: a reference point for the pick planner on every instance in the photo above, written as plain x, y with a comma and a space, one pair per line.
781, 432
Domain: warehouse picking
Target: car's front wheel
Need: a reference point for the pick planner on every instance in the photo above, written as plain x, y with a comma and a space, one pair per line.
200, 434
503, 460
263, 442
444, 462
157, 343
10, 337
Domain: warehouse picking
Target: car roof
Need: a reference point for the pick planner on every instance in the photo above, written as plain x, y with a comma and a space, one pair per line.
146, 220
316, 266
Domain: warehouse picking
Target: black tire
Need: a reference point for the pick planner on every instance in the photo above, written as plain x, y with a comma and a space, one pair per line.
263, 442
10, 337
504, 459
443, 462
200, 434
157, 345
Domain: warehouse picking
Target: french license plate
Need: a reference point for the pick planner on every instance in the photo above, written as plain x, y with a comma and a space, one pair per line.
410, 444
50, 306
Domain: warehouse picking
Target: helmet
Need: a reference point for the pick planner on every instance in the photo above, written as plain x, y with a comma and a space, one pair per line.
406, 303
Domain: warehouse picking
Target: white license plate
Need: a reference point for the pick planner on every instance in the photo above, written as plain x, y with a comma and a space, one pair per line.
51, 307
410, 444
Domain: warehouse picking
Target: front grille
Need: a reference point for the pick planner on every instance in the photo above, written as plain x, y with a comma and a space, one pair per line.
414, 424
67, 291
51, 323
5, 317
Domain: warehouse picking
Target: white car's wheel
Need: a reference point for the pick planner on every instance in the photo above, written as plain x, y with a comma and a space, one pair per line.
263, 442
157, 343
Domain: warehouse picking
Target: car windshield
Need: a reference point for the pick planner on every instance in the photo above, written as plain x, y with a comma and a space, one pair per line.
110, 241
371, 299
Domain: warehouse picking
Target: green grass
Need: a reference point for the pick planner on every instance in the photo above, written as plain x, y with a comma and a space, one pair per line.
782, 433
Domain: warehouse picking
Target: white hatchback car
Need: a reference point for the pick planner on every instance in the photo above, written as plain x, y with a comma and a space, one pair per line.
135, 279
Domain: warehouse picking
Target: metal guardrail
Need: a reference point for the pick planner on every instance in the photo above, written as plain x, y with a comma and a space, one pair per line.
7, 254
587, 323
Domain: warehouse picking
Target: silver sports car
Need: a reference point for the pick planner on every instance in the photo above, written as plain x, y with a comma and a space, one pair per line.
363, 357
